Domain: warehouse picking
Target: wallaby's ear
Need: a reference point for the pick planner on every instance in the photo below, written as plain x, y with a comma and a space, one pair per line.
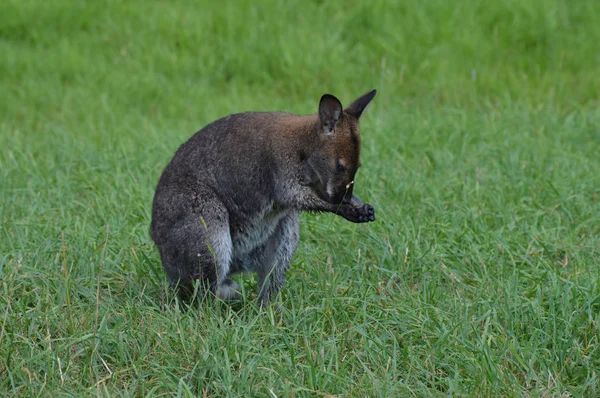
330, 112
357, 107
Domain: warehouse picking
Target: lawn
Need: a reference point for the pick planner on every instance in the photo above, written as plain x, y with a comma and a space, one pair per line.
480, 154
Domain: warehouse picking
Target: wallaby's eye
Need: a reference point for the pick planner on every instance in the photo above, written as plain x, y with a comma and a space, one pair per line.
339, 166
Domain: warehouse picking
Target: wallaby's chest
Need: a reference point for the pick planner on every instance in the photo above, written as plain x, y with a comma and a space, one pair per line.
250, 233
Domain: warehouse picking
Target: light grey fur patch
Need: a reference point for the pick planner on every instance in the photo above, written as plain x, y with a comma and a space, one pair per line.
229, 290
223, 252
329, 188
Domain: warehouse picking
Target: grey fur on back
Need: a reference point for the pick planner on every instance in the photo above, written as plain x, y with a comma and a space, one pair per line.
230, 198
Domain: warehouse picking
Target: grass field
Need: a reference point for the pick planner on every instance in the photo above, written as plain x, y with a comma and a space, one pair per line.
481, 155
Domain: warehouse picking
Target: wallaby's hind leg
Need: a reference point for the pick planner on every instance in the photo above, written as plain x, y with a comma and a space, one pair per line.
182, 261
198, 250
276, 259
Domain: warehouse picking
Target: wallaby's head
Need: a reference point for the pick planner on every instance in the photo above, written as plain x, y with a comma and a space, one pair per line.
334, 162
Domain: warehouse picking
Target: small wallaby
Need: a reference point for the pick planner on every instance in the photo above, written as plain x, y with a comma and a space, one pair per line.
229, 200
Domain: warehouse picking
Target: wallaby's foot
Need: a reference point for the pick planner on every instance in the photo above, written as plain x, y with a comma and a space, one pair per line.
229, 290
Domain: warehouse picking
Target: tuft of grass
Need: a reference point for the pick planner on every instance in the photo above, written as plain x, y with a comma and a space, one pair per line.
480, 153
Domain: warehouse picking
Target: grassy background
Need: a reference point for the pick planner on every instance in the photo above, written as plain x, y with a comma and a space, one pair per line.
480, 155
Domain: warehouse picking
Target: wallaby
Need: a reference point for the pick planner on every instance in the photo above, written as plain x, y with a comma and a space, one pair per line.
229, 200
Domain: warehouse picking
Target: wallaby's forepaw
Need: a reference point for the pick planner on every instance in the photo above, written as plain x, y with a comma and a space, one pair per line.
368, 213
360, 214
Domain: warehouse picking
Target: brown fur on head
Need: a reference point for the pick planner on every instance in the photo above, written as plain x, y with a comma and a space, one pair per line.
337, 158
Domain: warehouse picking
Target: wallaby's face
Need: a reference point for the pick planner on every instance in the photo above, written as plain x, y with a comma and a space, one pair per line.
336, 159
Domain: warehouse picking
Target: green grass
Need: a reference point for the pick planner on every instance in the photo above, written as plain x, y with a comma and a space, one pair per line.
480, 155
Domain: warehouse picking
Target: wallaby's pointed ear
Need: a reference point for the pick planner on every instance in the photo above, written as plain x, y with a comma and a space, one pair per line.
330, 112
357, 107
